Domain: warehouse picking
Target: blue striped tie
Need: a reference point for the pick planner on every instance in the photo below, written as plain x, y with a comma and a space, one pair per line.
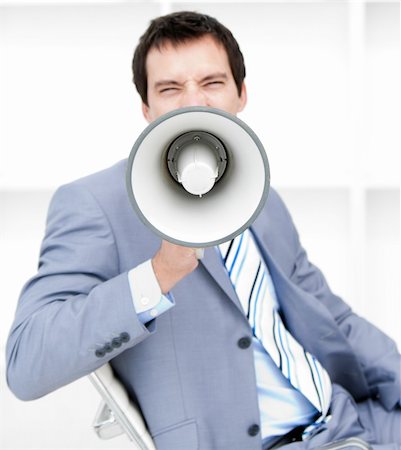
253, 285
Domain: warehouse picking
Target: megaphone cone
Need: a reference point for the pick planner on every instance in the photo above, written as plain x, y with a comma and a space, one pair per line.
198, 176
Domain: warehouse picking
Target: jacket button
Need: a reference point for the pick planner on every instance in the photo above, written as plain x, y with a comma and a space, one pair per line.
108, 347
100, 353
116, 342
253, 430
125, 337
244, 342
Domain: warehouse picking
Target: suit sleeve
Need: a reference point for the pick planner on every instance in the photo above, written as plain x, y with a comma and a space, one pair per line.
377, 353
77, 312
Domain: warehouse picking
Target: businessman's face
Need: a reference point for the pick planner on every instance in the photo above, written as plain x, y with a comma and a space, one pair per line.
196, 73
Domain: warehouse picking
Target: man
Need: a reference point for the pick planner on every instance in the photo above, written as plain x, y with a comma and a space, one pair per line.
211, 367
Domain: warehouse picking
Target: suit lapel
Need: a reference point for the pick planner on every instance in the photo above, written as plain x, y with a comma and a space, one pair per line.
213, 264
298, 307
308, 320
312, 325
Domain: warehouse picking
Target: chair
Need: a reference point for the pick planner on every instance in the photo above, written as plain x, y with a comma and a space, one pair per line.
117, 414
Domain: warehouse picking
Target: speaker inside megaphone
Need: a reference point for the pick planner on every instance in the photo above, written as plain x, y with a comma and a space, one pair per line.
198, 176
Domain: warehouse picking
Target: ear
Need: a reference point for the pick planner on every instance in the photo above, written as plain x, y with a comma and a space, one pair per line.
146, 112
243, 98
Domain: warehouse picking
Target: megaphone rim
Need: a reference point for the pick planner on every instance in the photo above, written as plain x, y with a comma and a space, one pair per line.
196, 109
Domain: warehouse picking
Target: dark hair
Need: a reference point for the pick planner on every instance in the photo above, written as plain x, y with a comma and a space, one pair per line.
180, 27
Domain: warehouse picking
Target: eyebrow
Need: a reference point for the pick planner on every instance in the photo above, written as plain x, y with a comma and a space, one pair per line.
210, 77
214, 76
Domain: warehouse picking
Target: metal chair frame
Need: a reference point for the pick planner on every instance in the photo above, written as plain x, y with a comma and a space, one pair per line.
117, 414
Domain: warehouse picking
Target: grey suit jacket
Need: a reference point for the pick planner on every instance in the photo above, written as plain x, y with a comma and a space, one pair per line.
194, 383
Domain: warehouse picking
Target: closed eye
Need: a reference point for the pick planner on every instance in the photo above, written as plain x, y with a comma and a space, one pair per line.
168, 89
214, 83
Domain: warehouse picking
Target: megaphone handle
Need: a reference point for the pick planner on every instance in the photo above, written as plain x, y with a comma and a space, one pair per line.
199, 252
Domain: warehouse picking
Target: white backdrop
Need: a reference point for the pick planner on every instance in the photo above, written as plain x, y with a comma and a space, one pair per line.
324, 97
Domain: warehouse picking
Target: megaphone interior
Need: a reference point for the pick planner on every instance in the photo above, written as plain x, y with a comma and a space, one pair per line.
198, 176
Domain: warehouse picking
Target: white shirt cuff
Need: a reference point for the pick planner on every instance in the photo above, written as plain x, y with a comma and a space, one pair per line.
147, 297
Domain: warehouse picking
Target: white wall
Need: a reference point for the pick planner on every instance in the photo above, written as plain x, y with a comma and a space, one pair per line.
324, 97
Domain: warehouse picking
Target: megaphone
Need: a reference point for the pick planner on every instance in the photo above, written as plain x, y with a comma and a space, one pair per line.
198, 176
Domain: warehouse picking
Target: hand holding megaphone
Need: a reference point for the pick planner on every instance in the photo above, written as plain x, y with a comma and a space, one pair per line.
198, 176
172, 263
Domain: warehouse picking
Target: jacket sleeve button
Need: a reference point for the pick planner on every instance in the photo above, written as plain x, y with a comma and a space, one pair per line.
108, 347
125, 337
116, 342
244, 342
253, 430
100, 353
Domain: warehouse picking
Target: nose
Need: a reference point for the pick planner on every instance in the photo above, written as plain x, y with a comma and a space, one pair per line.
193, 96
